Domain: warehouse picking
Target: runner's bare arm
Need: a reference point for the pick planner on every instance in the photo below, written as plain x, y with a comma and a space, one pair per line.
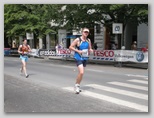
19, 49
72, 46
90, 48
29, 49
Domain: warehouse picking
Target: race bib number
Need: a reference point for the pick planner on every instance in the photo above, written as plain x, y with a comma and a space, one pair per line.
85, 53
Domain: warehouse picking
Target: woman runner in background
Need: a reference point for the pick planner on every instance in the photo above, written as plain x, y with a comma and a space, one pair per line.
23, 50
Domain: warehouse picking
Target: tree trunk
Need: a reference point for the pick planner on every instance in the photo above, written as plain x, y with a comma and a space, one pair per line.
48, 42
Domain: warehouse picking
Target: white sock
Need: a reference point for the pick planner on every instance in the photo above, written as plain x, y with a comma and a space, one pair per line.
77, 85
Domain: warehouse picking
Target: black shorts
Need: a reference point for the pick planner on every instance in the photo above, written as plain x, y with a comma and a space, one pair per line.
79, 62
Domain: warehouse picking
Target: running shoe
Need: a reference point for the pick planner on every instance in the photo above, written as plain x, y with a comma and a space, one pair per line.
77, 89
27, 76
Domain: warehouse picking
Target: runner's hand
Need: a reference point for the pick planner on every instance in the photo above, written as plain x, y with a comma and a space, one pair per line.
80, 52
91, 50
25, 52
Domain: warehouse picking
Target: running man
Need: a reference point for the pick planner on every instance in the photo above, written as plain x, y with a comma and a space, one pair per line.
81, 46
23, 50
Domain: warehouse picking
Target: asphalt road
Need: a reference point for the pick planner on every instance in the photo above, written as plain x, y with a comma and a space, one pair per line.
49, 87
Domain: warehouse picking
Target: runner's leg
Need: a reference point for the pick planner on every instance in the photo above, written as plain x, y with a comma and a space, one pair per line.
79, 78
80, 74
24, 67
21, 69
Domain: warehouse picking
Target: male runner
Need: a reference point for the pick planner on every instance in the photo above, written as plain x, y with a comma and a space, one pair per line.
81, 46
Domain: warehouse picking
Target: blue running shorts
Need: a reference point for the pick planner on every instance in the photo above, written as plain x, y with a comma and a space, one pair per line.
79, 62
24, 58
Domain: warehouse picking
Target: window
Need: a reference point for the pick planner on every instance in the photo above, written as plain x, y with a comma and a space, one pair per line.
98, 28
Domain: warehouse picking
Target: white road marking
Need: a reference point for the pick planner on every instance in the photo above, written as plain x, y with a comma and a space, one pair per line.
94, 70
145, 78
119, 91
138, 81
142, 108
129, 85
142, 76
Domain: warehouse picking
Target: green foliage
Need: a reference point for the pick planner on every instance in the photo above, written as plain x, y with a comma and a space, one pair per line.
36, 18
79, 15
22, 18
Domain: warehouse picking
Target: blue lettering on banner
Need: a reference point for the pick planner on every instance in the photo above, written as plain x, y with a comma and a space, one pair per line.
102, 58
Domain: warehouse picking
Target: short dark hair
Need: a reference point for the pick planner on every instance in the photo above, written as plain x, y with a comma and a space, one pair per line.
24, 39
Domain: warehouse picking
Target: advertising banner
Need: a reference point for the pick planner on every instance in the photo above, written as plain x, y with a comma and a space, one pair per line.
44, 52
7, 51
131, 56
34, 52
104, 55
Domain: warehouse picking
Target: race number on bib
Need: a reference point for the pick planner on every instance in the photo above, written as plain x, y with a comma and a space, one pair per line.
85, 53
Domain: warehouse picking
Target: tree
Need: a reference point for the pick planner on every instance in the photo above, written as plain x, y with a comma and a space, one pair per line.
126, 13
87, 15
22, 18
37, 18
